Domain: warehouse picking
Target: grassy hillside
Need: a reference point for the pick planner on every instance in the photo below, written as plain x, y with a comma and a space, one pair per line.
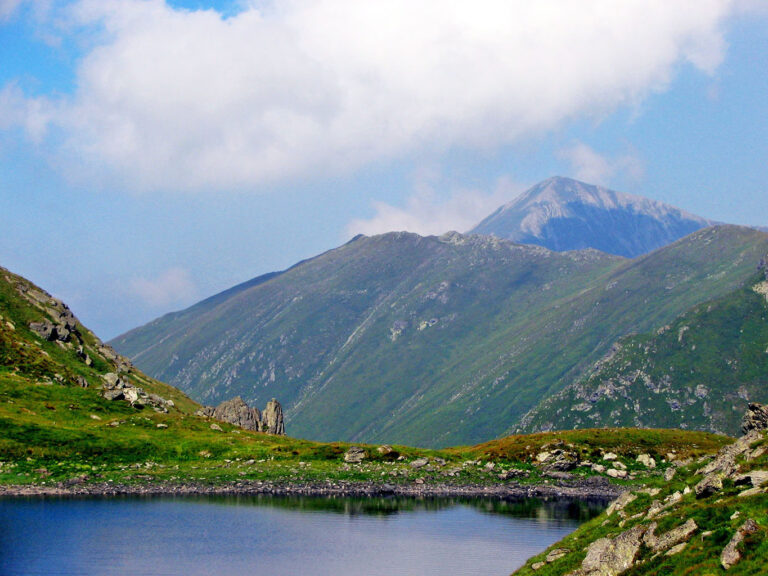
698, 372
430, 341
707, 517
57, 427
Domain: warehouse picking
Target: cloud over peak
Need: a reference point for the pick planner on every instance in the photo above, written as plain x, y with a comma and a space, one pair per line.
186, 100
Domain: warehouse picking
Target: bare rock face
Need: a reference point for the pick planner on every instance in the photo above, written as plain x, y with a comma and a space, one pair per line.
272, 418
237, 412
756, 418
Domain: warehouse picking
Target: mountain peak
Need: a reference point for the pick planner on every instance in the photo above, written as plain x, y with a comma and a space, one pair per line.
566, 214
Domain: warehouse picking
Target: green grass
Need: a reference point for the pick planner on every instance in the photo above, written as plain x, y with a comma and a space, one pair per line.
717, 517
698, 372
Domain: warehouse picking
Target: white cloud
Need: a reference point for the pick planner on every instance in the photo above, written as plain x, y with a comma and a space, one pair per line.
174, 287
7, 8
592, 167
189, 99
426, 213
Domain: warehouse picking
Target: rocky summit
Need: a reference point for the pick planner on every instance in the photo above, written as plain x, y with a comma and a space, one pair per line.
565, 214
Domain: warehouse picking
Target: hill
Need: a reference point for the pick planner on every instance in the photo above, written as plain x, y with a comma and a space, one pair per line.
430, 341
565, 214
707, 517
696, 372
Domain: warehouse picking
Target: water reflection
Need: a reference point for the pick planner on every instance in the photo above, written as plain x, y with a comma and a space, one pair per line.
297, 535
549, 510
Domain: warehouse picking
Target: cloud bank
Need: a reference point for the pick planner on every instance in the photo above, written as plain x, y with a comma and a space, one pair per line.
185, 100
590, 166
427, 212
174, 287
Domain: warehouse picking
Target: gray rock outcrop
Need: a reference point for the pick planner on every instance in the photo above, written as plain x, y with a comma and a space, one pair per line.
731, 555
272, 419
756, 418
669, 539
354, 455
612, 556
237, 412
117, 388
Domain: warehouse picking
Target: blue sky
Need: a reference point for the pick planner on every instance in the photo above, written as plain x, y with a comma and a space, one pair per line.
153, 153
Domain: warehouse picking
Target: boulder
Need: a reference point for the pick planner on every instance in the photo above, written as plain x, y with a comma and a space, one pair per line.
354, 455
710, 484
112, 394
755, 477
669, 539
613, 473
730, 554
556, 554
621, 502
110, 380
611, 557
131, 395
419, 462
756, 418
45, 329
647, 461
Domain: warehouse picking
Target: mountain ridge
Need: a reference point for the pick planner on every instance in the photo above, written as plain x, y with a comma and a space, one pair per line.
431, 340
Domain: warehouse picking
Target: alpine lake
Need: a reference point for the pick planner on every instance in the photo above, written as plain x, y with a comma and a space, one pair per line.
228, 535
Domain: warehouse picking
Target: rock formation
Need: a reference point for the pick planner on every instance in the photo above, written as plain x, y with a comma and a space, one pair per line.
117, 388
731, 554
756, 418
237, 412
272, 419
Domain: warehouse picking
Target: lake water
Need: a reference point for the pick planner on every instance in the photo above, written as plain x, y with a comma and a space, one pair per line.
278, 536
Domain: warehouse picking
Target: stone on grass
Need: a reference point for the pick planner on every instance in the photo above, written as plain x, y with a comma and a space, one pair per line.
354, 455
730, 554
611, 557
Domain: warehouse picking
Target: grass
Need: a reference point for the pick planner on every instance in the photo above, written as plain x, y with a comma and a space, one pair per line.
717, 518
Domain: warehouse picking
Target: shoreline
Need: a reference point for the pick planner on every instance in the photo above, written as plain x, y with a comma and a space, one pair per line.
510, 491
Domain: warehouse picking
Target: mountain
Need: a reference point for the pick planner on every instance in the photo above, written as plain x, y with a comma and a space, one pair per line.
564, 214
430, 340
696, 372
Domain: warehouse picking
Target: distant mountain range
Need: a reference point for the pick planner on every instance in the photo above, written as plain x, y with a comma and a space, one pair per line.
565, 214
432, 340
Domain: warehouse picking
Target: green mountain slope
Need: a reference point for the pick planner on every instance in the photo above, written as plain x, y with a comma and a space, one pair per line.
697, 372
430, 341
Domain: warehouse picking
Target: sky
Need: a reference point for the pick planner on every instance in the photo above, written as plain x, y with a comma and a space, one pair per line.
156, 152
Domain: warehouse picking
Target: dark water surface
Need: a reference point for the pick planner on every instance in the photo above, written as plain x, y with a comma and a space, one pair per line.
278, 536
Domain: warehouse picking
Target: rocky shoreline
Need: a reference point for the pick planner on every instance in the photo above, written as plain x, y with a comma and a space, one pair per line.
510, 491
